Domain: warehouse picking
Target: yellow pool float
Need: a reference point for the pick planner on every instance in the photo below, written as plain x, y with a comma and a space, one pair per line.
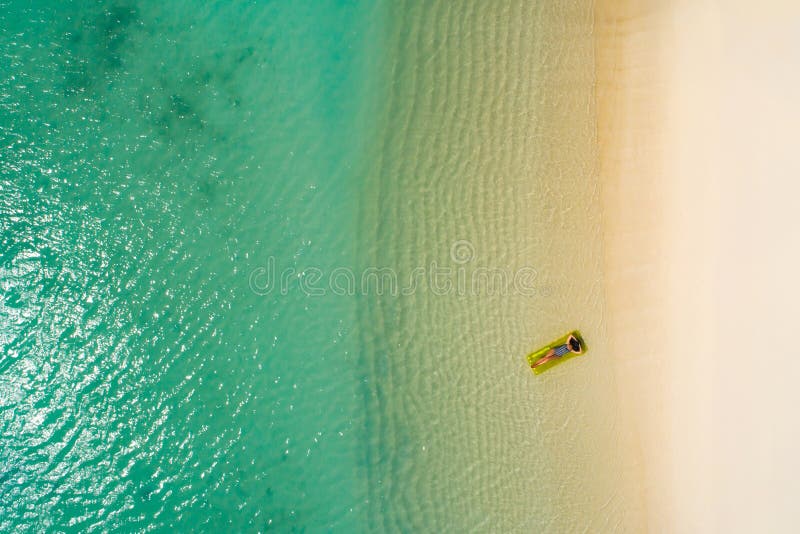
557, 352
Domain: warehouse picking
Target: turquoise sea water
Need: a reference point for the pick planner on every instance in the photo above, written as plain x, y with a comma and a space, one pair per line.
154, 156
179, 179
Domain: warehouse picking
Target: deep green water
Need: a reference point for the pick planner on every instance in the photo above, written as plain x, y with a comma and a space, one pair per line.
153, 155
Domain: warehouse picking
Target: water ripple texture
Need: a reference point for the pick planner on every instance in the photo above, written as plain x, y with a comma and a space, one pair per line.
152, 155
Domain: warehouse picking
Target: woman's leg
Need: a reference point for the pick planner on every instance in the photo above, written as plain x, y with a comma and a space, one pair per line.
551, 354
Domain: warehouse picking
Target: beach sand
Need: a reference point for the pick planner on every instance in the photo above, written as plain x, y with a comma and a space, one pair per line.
695, 121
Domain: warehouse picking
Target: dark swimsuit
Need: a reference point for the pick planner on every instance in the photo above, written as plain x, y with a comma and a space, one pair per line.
561, 350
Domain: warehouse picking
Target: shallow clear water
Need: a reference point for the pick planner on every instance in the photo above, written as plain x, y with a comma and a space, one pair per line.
493, 170
177, 182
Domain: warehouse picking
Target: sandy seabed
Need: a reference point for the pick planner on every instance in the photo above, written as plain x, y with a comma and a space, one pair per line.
638, 155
